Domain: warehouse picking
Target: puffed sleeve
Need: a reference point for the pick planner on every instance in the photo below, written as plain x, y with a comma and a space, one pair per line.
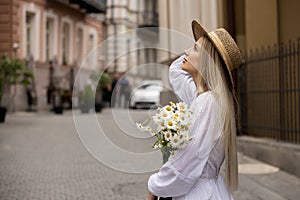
182, 82
179, 174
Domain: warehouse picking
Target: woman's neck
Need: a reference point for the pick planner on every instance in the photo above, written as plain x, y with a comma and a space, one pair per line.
200, 85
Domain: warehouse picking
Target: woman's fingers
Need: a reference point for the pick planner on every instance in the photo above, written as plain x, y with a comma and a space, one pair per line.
151, 196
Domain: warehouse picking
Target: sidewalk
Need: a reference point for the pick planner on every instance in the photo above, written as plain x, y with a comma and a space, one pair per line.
258, 180
41, 157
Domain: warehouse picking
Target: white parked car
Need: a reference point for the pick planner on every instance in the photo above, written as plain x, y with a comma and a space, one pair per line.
146, 95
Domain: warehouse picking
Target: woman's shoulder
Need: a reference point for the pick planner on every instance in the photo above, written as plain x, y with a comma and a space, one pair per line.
204, 101
206, 97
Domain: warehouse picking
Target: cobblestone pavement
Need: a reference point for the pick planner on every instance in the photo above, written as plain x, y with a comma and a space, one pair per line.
41, 157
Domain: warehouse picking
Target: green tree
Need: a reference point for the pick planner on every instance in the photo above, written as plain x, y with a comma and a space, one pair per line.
13, 72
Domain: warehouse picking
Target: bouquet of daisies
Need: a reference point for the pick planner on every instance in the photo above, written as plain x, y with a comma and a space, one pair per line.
171, 127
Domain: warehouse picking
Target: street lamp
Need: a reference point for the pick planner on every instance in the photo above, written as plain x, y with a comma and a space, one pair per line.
15, 48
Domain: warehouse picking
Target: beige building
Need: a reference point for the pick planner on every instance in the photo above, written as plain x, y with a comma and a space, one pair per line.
266, 22
60, 31
126, 50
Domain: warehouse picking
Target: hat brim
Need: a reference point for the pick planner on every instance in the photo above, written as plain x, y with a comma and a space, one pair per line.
198, 32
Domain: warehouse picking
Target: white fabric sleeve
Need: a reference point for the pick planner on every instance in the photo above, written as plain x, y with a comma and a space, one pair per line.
182, 82
179, 174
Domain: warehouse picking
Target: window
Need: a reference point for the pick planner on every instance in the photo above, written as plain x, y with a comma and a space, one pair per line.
79, 44
30, 31
92, 42
49, 39
128, 57
65, 43
29, 34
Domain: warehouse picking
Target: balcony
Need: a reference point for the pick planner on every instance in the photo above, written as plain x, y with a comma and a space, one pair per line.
90, 6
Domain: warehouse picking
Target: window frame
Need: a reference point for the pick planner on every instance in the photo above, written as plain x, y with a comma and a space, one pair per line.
69, 57
35, 43
53, 49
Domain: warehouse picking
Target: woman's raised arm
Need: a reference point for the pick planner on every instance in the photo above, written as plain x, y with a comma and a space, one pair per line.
182, 82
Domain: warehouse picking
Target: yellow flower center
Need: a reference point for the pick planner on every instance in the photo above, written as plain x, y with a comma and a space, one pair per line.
170, 123
165, 114
168, 108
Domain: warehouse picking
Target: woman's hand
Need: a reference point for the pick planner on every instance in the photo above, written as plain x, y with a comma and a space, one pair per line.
151, 196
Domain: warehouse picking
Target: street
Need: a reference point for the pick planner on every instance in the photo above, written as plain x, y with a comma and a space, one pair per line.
42, 157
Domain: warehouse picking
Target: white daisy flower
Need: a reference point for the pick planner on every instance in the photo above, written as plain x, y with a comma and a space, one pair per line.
175, 141
157, 118
164, 114
149, 129
145, 128
181, 106
186, 137
176, 115
140, 126
168, 135
161, 126
171, 124
168, 108
184, 119
183, 140
172, 104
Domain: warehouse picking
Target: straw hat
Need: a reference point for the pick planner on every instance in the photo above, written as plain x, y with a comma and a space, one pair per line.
224, 44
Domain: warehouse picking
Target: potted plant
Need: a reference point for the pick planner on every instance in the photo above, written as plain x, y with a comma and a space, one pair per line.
12, 72
87, 99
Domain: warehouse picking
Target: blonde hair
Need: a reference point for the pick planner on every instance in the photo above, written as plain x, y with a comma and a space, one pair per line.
212, 70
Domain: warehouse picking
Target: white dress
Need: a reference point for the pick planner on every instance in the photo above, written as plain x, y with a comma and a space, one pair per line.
193, 173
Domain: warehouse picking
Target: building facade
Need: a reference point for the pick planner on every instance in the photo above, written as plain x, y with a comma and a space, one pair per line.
126, 50
61, 32
262, 23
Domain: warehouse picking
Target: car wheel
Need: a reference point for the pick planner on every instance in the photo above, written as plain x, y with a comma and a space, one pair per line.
132, 107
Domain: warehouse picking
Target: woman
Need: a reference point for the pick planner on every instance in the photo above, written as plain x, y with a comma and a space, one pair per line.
202, 79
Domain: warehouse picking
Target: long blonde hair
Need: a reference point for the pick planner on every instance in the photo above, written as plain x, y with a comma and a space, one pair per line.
212, 70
